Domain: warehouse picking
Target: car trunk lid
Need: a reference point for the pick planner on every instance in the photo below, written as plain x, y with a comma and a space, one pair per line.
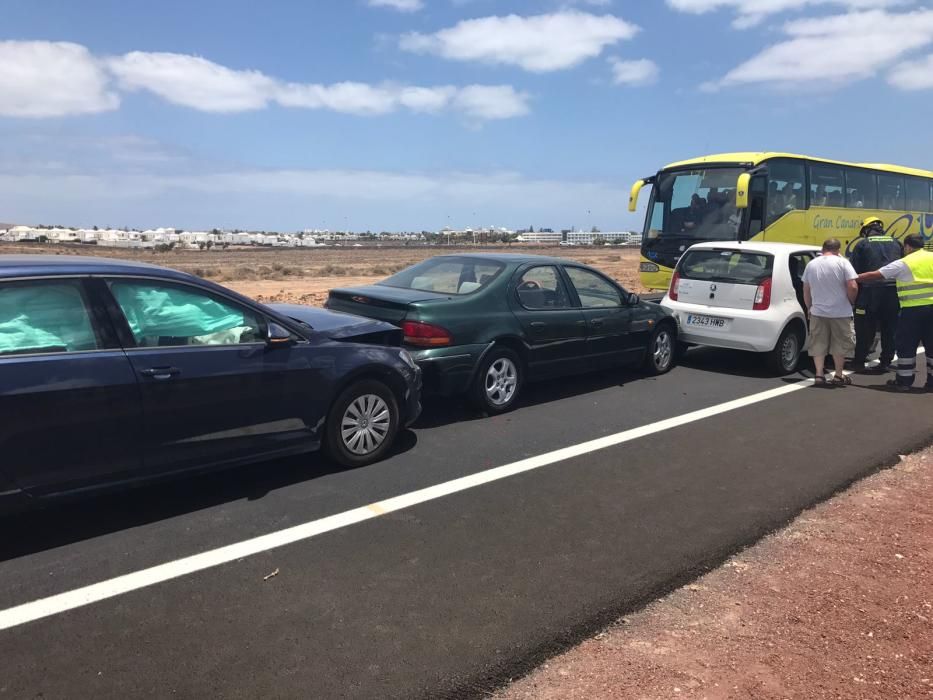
381, 302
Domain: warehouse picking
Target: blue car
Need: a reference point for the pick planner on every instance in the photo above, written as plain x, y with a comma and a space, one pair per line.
115, 372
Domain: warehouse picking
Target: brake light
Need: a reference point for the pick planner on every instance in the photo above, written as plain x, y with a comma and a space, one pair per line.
425, 335
763, 296
675, 282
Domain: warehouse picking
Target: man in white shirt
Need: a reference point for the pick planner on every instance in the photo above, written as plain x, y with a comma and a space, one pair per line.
829, 291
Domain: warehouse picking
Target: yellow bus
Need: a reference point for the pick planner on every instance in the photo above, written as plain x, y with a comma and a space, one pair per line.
774, 197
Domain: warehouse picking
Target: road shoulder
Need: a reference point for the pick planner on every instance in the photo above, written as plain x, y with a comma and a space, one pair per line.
837, 604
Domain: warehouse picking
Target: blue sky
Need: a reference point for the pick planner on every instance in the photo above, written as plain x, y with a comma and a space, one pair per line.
412, 114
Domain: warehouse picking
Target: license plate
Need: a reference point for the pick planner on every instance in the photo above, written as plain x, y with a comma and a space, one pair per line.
705, 321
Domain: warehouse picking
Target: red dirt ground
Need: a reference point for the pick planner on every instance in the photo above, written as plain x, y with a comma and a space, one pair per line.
837, 605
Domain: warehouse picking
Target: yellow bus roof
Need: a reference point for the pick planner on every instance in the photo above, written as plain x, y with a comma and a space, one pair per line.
756, 158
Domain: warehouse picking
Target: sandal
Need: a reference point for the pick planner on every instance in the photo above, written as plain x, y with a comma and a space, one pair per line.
843, 380
821, 382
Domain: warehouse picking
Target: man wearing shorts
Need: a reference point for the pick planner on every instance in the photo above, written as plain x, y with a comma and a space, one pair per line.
829, 291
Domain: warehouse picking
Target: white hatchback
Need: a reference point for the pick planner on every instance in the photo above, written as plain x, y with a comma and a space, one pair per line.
745, 296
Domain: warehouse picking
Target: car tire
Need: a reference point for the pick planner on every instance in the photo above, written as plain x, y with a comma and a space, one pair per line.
498, 381
661, 353
785, 357
362, 424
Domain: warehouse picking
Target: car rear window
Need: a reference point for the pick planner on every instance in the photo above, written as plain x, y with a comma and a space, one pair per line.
447, 275
729, 265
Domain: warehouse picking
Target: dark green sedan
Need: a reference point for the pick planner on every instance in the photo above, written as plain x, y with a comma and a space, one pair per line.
484, 324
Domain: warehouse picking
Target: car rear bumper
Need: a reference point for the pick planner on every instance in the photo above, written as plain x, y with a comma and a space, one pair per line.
757, 331
448, 371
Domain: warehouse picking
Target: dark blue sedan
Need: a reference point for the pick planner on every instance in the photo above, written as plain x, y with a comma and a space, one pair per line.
116, 372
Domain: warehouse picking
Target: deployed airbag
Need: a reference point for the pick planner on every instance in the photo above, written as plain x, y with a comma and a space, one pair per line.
160, 312
43, 317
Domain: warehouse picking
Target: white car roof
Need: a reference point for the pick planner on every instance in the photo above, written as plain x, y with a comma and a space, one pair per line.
755, 247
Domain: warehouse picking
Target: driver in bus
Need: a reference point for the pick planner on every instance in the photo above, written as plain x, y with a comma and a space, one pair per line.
695, 212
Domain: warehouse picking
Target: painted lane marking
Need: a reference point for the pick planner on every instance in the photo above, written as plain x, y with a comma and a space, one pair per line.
94, 593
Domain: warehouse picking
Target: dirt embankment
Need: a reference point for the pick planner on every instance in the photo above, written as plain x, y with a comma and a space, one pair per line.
837, 605
305, 275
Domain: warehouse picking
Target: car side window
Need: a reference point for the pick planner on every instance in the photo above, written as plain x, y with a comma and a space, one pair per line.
162, 314
594, 291
542, 288
45, 316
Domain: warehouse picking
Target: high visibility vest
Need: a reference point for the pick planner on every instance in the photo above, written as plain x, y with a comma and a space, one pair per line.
918, 292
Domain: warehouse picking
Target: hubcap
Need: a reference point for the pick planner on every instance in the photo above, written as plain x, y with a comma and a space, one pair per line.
365, 424
663, 350
789, 352
501, 381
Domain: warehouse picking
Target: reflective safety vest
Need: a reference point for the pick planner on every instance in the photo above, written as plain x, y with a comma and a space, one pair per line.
918, 292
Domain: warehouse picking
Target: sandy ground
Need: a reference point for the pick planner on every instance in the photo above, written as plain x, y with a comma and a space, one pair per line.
837, 605
306, 275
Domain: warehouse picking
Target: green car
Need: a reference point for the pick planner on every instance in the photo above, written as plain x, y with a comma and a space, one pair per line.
484, 324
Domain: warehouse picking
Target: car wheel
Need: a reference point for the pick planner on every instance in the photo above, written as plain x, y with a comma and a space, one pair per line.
786, 354
498, 381
362, 424
662, 348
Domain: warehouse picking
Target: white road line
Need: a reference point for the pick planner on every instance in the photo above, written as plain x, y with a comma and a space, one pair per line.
79, 597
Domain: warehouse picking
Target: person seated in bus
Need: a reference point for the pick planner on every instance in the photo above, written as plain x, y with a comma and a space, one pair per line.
790, 197
695, 213
856, 199
819, 195
834, 199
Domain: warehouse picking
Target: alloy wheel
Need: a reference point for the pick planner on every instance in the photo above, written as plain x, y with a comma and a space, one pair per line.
663, 350
365, 424
501, 381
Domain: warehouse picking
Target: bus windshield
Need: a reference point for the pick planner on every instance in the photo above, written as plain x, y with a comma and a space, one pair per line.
694, 204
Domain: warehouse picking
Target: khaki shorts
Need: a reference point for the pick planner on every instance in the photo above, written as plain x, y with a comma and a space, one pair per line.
831, 336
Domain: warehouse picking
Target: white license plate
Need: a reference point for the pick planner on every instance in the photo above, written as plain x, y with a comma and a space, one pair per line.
706, 321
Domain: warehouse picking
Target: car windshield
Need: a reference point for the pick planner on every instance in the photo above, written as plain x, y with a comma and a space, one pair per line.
730, 266
695, 204
447, 275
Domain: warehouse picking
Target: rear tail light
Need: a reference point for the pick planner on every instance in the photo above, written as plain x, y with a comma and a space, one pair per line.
425, 335
675, 282
763, 296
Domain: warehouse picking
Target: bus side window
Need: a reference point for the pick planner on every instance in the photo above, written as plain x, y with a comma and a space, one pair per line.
891, 192
786, 188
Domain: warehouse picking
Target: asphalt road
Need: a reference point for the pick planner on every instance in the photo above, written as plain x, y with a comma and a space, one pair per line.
454, 595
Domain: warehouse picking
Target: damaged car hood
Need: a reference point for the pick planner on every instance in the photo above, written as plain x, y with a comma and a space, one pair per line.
341, 326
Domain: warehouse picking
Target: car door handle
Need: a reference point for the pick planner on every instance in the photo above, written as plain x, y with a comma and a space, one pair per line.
161, 372
596, 322
538, 324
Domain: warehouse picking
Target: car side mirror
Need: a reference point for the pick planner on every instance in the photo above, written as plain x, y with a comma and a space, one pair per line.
633, 299
277, 336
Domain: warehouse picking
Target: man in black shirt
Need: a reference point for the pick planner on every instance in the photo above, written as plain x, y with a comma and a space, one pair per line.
876, 308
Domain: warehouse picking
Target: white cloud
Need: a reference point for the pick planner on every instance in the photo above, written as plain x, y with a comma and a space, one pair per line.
487, 102
51, 79
400, 5
192, 81
752, 12
913, 75
195, 82
540, 43
640, 72
828, 51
